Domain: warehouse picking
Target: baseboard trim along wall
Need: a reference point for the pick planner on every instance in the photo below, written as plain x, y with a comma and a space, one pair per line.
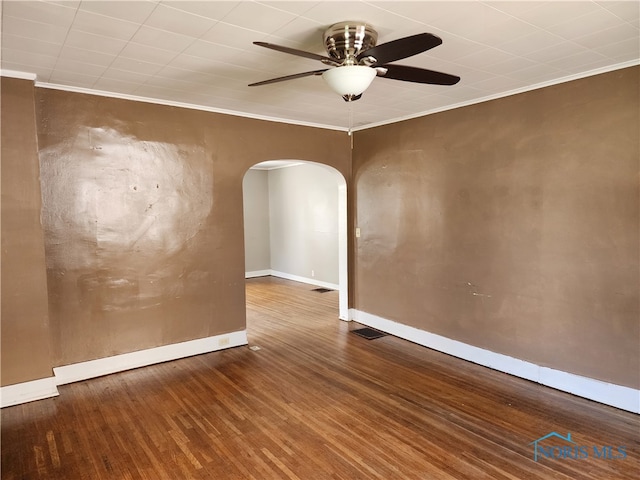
617, 396
127, 361
28, 392
47, 387
257, 273
295, 278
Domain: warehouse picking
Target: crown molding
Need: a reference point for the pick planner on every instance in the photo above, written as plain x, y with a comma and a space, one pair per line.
136, 98
537, 86
17, 74
158, 101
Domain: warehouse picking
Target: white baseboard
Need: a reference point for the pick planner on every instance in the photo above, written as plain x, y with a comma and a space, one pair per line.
257, 273
126, 361
617, 396
310, 281
295, 278
28, 392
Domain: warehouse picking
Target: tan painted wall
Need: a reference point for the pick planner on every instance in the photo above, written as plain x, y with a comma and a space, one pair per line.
511, 225
142, 208
25, 348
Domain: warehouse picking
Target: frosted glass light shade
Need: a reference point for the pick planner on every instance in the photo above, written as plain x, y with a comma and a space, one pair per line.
349, 79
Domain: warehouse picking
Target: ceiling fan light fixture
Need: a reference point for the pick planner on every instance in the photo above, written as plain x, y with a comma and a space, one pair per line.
349, 79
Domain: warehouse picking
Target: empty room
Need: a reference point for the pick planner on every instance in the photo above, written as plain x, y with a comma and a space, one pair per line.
320, 240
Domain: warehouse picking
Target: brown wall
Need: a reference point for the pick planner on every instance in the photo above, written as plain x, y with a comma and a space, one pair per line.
25, 347
511, 225
142, 209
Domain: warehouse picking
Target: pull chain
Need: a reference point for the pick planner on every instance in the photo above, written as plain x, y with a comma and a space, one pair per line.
350, 131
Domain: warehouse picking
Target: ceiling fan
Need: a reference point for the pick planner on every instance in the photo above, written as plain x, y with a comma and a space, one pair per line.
356, 60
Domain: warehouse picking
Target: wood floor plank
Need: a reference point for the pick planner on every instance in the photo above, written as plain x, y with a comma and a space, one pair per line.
314, 402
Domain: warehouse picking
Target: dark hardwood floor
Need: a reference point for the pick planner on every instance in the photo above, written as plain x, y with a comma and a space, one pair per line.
315, 402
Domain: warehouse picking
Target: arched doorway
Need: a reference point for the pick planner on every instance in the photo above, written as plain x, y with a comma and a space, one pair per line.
301, 207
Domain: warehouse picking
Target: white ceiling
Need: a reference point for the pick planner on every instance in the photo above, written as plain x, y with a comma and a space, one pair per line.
200, 53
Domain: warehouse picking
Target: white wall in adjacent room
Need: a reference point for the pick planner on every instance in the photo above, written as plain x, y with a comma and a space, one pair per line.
301, 228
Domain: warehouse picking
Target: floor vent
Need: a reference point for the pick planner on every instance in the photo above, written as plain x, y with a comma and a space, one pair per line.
368, 333
322, 290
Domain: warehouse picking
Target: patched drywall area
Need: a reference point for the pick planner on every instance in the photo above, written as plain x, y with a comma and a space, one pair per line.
511, 225
126, 223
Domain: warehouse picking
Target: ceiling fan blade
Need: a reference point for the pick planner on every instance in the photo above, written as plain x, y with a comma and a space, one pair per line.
401, 48
300, 53
417, 75
289, 77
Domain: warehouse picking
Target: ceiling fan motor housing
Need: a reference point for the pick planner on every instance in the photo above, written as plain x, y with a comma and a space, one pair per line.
345, 40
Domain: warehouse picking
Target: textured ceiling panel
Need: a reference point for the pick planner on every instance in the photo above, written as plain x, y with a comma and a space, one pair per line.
201, 53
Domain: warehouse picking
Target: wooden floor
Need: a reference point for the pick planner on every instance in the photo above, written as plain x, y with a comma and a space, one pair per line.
315, 402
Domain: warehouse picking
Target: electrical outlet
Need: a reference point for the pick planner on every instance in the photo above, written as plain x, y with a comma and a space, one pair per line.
357, 233
313, 273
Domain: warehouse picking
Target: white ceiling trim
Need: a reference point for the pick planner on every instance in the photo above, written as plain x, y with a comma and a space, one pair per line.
16, 74
136, 98
537, 86
158, 101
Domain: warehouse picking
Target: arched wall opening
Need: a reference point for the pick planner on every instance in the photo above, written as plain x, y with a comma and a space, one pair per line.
295, 224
